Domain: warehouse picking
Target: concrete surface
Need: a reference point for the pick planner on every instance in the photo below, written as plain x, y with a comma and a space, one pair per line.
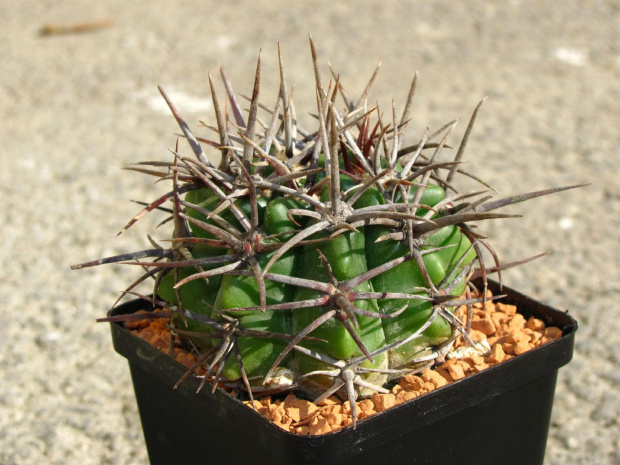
75, 108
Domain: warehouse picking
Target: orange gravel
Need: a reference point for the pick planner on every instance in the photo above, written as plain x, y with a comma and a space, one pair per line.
508, 333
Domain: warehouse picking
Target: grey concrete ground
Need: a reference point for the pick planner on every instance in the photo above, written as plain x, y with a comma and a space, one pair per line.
75, 108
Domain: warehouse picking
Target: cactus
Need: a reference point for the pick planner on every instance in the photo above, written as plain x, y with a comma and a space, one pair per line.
326, 261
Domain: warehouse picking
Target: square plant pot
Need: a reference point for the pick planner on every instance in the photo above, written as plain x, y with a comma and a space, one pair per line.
500, 415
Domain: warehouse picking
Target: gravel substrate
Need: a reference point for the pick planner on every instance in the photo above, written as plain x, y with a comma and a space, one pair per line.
76, 107
498, 333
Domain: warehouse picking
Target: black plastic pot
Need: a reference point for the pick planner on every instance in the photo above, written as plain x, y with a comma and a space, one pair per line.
500, 415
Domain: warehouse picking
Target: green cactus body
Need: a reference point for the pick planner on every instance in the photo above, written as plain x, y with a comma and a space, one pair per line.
348, 255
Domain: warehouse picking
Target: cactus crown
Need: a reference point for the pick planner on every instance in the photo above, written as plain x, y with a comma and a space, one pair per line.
329, 259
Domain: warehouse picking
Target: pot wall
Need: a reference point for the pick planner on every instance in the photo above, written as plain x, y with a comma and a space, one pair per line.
500, 415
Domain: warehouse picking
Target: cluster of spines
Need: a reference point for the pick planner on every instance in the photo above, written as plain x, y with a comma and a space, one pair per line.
294, 160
